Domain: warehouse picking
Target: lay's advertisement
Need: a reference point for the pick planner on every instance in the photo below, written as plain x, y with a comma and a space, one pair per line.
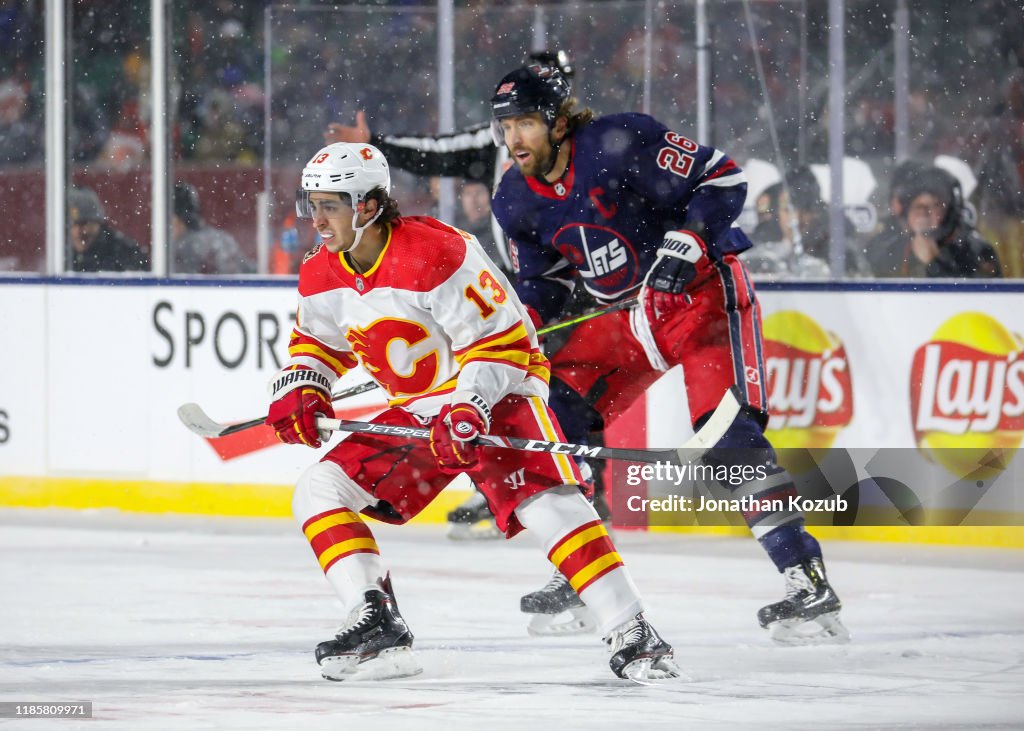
888, 408
810, 384
908, 405
911, 405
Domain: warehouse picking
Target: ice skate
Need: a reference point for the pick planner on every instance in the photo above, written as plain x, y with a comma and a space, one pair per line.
557, 610
472, 521
374, 643
639, 654
809, 614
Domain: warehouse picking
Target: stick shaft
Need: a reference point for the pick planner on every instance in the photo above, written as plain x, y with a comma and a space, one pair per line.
597, 312
348, 392
707, 437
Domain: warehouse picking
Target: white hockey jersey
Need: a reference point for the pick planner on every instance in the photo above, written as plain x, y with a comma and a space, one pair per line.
432, 316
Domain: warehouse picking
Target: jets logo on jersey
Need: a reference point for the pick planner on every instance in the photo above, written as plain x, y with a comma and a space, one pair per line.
606, 260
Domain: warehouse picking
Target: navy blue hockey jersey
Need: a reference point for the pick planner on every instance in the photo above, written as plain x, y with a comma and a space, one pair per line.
630, 179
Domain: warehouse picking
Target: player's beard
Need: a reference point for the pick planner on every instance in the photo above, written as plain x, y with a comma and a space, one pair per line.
539, 163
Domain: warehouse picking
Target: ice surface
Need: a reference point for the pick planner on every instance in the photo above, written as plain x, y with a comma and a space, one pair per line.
188, 623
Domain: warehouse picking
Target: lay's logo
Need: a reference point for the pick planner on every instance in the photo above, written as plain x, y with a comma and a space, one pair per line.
810, 388
967, 390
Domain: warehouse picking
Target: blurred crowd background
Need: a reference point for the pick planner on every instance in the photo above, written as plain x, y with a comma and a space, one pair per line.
234, 67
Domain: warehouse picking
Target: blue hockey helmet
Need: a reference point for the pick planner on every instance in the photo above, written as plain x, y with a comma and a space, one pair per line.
526, 90
561, 60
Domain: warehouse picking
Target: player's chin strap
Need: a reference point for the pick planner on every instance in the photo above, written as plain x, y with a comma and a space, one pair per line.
360, 229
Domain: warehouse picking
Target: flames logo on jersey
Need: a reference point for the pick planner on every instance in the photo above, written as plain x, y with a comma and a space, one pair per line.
967, 393
312, 252
385, 349
810, 388
605, 259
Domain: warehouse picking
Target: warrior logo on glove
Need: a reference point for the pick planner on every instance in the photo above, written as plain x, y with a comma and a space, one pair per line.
300, 395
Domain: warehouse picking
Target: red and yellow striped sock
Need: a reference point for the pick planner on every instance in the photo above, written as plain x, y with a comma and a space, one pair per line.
336, 534
585, 554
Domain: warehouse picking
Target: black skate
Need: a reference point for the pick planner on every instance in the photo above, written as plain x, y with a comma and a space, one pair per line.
809, 614
374, 643
556, 598
638, 652
472, 521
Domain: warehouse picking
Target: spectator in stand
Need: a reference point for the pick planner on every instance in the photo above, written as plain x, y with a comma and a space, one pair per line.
198, 247
21, 134
474, 214
222, 136
803, 225
1000, 165
767, 209
95, 245
935, 240
893, 226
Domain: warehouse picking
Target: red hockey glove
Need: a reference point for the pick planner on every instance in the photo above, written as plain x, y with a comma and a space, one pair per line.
535, 318
664, 289
455, 428
299, 396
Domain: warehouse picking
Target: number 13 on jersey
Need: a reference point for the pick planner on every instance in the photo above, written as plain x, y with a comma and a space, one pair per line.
490, 285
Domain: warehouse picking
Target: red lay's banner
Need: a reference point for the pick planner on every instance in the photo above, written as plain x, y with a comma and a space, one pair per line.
810, 387
968, 379
967, 393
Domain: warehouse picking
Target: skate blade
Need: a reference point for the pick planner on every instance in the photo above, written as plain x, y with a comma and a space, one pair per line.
397, 662
579, 621
647, 670
339, 667
482, 531
824, 630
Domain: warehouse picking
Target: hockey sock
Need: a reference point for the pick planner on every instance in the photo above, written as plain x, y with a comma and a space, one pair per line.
326, 505
777, 527
347, 552
788, 545
576, 542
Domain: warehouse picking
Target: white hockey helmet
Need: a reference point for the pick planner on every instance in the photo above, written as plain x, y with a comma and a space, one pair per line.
344, 167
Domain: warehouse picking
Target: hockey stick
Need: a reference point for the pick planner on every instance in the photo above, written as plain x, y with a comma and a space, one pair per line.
197, 421
588, 315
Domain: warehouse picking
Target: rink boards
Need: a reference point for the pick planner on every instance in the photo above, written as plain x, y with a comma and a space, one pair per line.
93, 372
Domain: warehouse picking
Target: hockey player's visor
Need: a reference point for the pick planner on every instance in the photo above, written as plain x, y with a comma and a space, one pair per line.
305, 208
497, 133
508, 110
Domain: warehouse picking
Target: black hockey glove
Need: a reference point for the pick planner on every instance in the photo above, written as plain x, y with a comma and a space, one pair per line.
676, 266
